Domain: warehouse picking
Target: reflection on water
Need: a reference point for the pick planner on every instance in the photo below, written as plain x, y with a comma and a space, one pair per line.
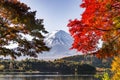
44, 77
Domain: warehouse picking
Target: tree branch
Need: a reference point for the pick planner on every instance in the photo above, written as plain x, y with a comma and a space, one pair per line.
106, 29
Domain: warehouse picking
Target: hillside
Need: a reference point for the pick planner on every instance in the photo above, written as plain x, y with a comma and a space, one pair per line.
92, 60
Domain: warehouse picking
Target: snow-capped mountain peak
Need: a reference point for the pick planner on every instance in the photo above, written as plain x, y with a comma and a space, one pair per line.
58, 37
60, 43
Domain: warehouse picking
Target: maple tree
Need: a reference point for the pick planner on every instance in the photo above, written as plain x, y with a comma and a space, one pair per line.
100, 21
16, 20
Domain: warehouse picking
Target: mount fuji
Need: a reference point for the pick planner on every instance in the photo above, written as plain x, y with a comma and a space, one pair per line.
60, 43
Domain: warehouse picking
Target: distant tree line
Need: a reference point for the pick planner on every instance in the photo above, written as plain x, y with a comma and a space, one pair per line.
61, 66
91, 60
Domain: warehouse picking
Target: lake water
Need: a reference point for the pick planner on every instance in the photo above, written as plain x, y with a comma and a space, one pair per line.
31, 76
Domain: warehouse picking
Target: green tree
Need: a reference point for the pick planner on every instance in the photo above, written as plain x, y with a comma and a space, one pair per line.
17, 20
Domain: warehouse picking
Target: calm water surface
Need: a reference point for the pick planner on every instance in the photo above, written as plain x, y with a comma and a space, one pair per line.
32, 76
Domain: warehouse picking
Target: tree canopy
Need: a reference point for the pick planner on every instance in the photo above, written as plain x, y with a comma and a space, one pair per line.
116, 68
100, 21
16, 20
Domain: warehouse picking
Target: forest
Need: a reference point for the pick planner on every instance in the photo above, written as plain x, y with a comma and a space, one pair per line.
34, 65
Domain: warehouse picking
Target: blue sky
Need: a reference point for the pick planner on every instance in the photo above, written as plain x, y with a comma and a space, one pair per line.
56, 13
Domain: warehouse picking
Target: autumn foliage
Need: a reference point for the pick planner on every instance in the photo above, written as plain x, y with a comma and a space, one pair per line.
116, 68
100, 21
16, 20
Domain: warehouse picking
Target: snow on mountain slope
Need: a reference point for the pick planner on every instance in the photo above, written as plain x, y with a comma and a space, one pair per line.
60, 42
58, 37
